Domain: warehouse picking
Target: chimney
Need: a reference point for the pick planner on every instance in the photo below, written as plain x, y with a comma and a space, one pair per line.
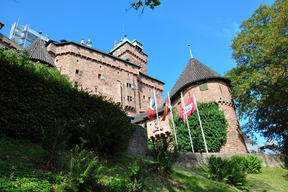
82, 41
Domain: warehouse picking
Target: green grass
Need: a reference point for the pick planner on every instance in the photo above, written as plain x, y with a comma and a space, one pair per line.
21, 169
183, 179
271, 179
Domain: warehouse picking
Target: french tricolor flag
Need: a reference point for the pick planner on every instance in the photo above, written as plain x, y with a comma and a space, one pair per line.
151, 109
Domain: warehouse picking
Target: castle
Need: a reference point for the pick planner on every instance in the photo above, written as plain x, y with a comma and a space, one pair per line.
121, 75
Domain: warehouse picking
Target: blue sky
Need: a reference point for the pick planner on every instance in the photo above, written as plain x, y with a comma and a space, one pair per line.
208, 25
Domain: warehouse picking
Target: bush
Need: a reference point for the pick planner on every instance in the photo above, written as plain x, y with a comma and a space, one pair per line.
214, 127
39, 104
119, 184
85, 171
253, 164
241, 162
228, 171
249, 164
164, 155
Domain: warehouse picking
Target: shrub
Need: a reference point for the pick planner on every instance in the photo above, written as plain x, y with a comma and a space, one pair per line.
228, 171
164, 155
36, 100
241, 162
119, 184
214, 127
253, 164
85, 171
249, 164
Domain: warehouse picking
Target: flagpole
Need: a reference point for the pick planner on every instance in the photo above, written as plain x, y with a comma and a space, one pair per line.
173, 123
200, 125
156, 109
188, 127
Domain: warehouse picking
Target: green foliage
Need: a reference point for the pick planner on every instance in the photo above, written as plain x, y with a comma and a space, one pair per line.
214, 126
149, 3
253, 164
85, 171
39, 104
164, 155
25, 184
134, 171
19, 176
228, 171
119, 183
241, 161
249, 164
259, 81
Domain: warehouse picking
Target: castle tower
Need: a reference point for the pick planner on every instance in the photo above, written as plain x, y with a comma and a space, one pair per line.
208, 86
131, 51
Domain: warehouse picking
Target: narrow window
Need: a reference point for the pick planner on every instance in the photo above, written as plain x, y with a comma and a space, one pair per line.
100, 76
77, 71
203, 87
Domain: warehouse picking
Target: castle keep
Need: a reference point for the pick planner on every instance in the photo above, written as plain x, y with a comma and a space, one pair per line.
120, 75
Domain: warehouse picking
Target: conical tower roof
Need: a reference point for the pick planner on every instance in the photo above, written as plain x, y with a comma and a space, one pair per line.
37, 51
195, 71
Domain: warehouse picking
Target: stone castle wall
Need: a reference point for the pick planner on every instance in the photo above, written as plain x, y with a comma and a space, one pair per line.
103, 74
218, 91
128, 52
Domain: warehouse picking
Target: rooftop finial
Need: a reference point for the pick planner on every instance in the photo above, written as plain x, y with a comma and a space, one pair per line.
191, 56
82, 41
89, 43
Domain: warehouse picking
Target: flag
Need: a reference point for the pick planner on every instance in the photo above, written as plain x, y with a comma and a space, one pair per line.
166, 108
150, 113
189, 108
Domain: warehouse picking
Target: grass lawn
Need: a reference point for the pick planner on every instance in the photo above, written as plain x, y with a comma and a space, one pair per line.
271, 179
182, 180
21, 166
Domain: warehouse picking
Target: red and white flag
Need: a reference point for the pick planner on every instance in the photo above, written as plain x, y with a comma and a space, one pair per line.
189, 108
151, 109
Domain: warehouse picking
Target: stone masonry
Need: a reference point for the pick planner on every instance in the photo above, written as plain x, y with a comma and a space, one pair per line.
218, 91
120, 75
208, 86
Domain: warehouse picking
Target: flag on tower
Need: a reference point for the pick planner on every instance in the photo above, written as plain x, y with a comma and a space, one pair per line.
189, 108
151, 113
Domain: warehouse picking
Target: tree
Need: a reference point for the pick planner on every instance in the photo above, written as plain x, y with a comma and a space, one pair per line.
143, 3
259, 81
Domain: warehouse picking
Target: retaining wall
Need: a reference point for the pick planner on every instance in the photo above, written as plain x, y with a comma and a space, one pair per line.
190, 159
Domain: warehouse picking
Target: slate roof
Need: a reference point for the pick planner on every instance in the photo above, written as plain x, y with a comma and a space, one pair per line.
143, 116
37, 51
195, 71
